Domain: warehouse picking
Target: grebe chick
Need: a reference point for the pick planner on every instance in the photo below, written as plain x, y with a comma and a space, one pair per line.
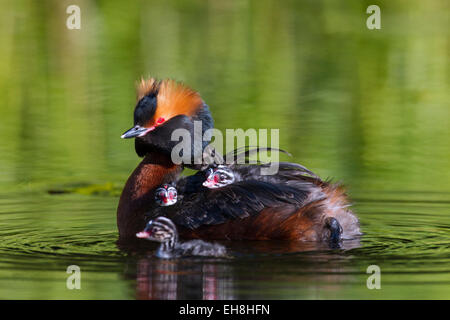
166, 195
219, 176
163, 230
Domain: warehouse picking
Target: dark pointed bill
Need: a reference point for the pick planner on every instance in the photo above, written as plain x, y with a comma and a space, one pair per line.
136, 131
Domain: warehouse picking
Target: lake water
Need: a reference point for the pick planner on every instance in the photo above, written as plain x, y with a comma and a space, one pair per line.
367, 107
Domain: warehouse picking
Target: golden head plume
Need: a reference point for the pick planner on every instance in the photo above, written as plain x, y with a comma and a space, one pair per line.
173, 98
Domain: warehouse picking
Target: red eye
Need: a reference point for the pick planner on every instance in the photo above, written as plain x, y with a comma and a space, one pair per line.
160, 120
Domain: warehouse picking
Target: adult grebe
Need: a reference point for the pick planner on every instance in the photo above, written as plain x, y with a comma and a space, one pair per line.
288, 205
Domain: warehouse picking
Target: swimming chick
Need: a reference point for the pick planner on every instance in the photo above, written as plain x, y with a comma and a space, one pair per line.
163, 230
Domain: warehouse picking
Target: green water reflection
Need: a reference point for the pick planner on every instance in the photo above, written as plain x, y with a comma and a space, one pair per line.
367, 107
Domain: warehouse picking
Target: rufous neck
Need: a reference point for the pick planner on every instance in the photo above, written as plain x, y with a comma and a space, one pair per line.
138, 194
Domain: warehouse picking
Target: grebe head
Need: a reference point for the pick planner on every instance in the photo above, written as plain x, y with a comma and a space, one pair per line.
162, 107
218, 177
166, 195
161, 230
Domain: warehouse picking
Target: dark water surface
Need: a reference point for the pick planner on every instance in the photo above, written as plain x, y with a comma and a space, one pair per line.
369, 108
